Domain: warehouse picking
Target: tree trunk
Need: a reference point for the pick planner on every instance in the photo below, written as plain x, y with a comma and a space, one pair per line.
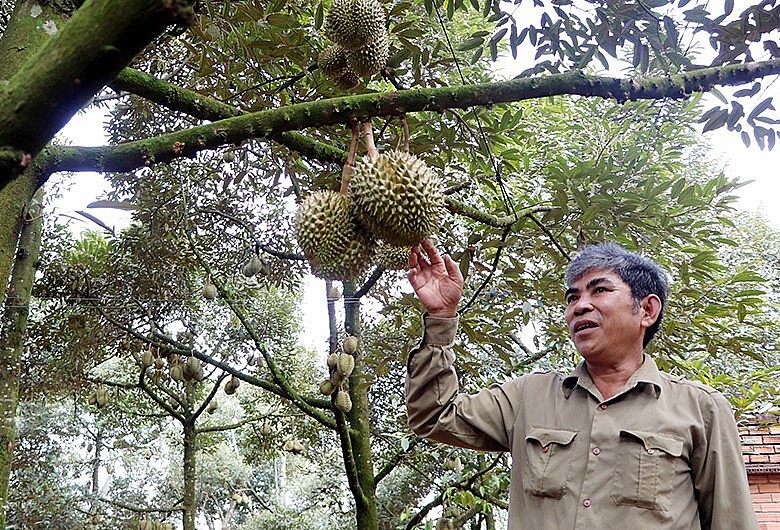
12, 336
84, 54
190, 476
364, 490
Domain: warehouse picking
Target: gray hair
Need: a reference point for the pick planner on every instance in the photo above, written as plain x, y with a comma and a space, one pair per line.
642, 275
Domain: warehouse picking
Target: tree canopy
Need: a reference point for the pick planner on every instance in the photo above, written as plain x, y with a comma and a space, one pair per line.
221, 120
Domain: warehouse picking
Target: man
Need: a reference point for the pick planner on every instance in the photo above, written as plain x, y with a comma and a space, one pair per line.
616, 443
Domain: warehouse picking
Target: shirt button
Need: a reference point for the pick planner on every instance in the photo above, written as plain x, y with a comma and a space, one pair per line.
586, 503
603, 406
596, 451
545, 448
650, 451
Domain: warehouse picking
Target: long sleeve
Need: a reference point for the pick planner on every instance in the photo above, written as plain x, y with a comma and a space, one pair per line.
435, 407
719, 472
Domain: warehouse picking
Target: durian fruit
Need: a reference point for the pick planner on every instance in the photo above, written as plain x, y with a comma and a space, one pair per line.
232, 385
147, 358
350, 345
371, 58
213, 406
337, 378
394, 258
177, 372
191, 368
345, 365
209, 291
293, 446
331, 238
253, 266
159, 363
101, 397
398, 197
355, 23
333, 360
332, 61
334, 293
92, 398
343, 402
327, 387
347, 81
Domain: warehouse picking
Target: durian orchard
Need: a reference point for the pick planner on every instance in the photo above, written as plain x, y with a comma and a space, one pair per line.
384, 197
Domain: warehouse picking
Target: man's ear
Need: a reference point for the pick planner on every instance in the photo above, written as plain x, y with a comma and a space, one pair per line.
651, 308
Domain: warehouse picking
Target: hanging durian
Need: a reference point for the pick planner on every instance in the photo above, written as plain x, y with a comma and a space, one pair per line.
253, 266
371, 58
209, 290
398, 197
350, 345
394, 258
331, 238
327, 387
345, 365
343, 402
355, 23
332, 61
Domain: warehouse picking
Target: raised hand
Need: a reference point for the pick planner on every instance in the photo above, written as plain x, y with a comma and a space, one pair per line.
436, 280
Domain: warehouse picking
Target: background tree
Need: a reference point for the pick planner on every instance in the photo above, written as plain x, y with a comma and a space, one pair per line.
203, 148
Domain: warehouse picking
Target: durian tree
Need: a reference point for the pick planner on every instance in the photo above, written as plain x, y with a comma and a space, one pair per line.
233, 89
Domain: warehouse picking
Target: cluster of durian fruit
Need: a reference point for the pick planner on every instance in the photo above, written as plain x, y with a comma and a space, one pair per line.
394, 201
179, 369
362, 48
255, 266
340, 367
99, 397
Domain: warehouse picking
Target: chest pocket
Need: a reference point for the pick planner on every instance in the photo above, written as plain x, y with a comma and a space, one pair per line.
646, 469
548, 459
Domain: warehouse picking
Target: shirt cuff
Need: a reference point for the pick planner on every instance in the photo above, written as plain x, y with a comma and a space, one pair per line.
439, 331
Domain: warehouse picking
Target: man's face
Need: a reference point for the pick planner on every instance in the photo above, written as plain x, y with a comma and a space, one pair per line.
604, 321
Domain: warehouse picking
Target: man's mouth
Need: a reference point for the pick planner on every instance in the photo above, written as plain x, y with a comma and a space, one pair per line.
583, 326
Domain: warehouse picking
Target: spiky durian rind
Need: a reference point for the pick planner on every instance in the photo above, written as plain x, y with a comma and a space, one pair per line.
354, 23
335, 245
332, 61
371, 58
398, 197
394, 258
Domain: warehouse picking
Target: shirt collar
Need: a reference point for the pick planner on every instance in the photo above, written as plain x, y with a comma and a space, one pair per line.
647, 373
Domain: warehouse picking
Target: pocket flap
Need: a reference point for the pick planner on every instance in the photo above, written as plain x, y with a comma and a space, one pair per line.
653, 440
546, 436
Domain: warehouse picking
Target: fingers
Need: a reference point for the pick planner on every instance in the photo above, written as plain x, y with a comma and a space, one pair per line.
453, 270
433, 254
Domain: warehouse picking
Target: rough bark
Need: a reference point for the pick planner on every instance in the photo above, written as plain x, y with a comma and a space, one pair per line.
100, 39
344, 110
200, 106
362, 485
190, 477
12, 334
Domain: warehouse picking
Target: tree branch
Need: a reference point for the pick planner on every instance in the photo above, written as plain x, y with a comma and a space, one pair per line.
98, 40
206, 108
348, 109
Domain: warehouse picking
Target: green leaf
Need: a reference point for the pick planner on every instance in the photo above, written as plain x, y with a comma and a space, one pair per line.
747, 276
318, 16
470, 44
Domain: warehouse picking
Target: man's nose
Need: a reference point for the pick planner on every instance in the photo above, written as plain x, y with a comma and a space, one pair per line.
582, 305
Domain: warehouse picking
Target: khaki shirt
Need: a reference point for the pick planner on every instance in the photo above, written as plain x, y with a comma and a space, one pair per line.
664, 453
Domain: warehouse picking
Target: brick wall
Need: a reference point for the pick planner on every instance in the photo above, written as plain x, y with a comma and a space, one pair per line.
761, 451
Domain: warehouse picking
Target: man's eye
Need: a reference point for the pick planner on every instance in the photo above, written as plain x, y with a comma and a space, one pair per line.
571, 299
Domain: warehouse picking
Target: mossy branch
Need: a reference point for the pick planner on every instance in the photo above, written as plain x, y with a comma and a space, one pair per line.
350, 109
206, 108
100, 39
